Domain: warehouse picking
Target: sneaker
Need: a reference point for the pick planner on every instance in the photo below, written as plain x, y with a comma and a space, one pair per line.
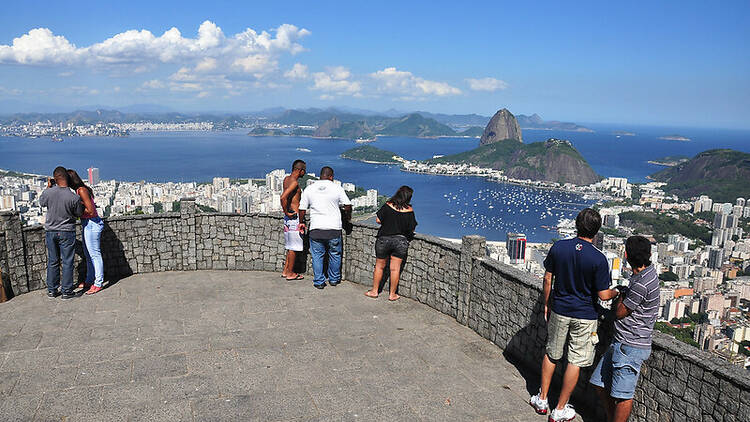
93, 289
53, 294
333, 284
67, 296
541, 406
319, 286
564, 415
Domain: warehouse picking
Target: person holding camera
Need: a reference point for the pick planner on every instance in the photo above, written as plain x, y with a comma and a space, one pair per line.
63, 208
635, 311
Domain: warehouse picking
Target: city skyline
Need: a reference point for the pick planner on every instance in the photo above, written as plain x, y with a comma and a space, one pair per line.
590, 63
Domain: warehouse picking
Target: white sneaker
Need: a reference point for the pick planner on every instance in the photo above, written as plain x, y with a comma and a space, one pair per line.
564, 415
541, 406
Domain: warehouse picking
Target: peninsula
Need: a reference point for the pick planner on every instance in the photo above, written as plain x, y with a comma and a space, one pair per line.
669, 161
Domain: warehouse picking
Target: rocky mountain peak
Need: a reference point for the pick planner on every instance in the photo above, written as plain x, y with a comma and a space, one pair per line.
503, 125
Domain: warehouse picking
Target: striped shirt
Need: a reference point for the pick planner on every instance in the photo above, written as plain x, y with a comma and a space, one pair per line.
642, 298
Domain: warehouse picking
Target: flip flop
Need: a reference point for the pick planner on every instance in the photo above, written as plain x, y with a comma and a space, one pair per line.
371, 297
299, 277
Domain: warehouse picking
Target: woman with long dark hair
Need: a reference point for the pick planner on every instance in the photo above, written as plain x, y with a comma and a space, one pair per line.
92, 232
397, 224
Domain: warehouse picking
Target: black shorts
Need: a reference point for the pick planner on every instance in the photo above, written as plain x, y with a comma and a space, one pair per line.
396, 245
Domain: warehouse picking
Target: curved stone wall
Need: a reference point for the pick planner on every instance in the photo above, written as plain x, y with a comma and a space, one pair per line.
499, 302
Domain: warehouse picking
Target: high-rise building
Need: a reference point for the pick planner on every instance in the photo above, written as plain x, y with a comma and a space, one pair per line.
372, 197
740, 202
703, 203
612, 221
720, 220
220, 183
674, 309
93, 176
516, 245
715, 258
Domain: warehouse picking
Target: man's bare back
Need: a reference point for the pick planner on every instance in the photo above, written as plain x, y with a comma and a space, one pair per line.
292, 193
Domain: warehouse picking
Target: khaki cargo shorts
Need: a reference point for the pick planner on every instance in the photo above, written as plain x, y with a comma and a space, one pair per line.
583, 338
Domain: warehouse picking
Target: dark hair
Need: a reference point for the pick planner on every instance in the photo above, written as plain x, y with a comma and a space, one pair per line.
326, 172
402, 198
61, 173
588, 223
638, 251
76, 182
297, 164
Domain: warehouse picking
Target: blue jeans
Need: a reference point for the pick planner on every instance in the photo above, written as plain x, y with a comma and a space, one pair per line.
92, 234
618, 370
60, 248
318, 250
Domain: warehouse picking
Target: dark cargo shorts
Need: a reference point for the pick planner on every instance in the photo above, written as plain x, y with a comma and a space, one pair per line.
396, 245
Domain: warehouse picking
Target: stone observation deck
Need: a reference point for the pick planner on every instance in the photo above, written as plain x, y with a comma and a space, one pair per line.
173, 338
226, 345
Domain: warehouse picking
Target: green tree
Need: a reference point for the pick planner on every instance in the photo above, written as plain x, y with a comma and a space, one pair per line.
668, 276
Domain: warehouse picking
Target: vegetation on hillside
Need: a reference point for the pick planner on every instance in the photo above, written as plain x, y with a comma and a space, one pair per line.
660, 226
721, 174
371, 154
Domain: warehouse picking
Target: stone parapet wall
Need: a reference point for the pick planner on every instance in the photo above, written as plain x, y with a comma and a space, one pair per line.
497, 301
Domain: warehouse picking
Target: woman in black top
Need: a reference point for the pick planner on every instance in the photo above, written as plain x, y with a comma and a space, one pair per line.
397, 224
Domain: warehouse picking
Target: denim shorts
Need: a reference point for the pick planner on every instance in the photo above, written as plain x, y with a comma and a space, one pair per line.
396, 245
618, 370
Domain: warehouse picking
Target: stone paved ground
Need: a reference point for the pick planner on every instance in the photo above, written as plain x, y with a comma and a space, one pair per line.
205, 346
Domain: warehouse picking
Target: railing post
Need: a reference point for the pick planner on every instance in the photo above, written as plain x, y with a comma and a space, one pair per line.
14, 268
471, 247
188, 210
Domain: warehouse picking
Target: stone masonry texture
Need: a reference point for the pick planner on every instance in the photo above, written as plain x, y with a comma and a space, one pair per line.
498, 302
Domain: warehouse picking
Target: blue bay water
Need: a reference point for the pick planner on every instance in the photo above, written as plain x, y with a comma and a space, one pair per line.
445, 206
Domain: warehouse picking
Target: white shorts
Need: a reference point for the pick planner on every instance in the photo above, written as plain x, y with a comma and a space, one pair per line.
292, 238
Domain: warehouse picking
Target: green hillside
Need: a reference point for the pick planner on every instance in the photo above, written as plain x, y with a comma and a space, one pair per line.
722, 174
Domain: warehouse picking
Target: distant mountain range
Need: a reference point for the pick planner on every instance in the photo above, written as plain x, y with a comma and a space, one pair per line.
536, 122
13, 110
722, 174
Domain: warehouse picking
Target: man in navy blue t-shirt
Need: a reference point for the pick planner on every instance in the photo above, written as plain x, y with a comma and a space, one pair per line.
581, 276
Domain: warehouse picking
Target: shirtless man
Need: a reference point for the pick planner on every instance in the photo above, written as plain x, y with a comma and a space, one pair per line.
290, 205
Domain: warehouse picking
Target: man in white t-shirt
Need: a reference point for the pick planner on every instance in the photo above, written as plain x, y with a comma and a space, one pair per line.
322, 199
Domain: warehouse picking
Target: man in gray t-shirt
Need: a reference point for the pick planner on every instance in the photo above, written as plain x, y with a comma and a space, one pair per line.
616, 376
63, 207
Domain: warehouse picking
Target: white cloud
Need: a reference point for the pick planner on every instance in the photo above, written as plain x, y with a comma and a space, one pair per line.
335, 80
153, 84
298, 71
406, 84
139, 49
258, 65
486, 84
206, 65
203, 94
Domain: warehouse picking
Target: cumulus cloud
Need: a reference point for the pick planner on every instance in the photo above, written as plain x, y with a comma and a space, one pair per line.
246, 50
394, 81
336, 81
486, 84
298, 71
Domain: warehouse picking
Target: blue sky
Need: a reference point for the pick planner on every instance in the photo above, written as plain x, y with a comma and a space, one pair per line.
659, 63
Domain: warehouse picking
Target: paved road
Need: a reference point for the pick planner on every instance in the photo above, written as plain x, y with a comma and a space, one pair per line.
205, 346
